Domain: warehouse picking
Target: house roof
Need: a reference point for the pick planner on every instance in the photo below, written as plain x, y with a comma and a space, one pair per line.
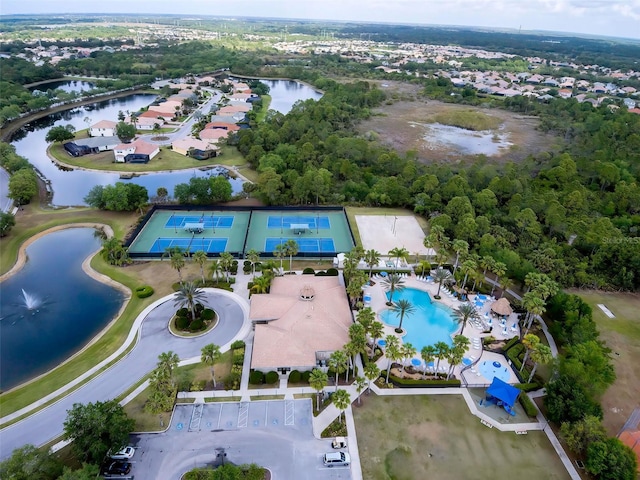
104, 124
631, 439
232, 127
296, 328
138, 146
189, 142
213, 133
95, 142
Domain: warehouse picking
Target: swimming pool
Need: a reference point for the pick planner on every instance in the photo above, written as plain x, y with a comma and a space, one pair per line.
429, 324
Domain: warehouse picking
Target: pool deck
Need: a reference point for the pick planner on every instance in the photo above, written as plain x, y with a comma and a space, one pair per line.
472, 376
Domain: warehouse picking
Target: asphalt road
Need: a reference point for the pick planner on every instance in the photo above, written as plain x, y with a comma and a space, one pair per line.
47, 424
276, 434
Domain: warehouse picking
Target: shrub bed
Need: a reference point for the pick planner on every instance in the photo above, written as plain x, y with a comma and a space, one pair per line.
256, 377
528, 387
528, 405
271, 377
413, 382
294, 376
144, 291
305, 376
237, 344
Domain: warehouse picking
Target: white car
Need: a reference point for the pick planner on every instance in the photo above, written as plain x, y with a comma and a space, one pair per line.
125, 454
341, 459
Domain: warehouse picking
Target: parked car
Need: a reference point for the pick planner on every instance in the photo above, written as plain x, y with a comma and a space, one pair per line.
124, 454
336, 458
118, 467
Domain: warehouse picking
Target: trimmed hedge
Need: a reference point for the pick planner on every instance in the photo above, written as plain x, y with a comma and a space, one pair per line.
306, 375
528, 405
413, 383
308, 271
238, 344
511, 343
332, 272
527, 387
294, 376
196, 325
208, 314
256, 377
182, 312
144, 291
271, 377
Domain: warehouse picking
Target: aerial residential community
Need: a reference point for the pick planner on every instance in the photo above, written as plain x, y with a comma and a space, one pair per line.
289, 248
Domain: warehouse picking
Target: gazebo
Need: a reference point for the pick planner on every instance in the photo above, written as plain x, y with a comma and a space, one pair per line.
503, 395
502, 307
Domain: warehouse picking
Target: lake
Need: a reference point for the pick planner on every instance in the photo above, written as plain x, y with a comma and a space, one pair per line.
51, 308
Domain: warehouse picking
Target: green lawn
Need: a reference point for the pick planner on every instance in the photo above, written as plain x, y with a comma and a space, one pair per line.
411, 437
622, 335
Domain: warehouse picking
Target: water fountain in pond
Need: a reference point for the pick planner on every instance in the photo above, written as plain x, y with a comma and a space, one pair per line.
31, 301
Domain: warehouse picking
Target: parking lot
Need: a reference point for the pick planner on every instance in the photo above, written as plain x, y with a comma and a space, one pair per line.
276, 434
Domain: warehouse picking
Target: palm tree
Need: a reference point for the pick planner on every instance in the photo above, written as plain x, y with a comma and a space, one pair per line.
428, 354
226, 261
318, 380
399, 253
280, 253
200, 257
177, 263
392, 352
188, 295
442, 275
354, 289
291, 248
357, 339
371, 258
456, 354
530, 342
366, 317
361, 384
371, 371
460, 247
261, 284
254, 257
540, 354
338, 363
408, 351
486, 263
167, 362
464, 313
401, 308
498, 269
393, 283
442, 349
376, 331
210, 354
534, 305
505, 284
216, 270
468, 266
341, 399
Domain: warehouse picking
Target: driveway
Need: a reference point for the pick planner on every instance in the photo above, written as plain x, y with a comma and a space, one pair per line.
47, 424
276, 434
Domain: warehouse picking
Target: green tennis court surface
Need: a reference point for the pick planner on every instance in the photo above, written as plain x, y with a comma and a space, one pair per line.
320, 233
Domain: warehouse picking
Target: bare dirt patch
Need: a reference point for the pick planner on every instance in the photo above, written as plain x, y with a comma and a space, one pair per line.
403, 125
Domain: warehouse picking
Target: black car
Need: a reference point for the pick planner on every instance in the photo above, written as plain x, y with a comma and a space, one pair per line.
118, 468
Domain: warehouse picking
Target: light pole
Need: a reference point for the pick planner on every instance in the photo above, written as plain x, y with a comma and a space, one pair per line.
394, 225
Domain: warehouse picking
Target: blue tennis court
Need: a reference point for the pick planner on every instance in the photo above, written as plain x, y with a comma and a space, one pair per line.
209, 221
304, 244
277, 221
209, 245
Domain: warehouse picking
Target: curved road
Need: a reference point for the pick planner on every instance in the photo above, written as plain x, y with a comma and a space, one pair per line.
47, 424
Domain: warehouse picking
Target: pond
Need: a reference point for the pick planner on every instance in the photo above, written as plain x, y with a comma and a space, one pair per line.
466, 142
51, 308
284, 93
68, 86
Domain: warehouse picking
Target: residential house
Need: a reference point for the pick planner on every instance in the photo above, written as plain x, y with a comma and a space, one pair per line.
188, 146
104, 128
137, 151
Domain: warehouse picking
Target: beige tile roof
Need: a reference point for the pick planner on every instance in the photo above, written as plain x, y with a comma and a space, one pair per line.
297, 329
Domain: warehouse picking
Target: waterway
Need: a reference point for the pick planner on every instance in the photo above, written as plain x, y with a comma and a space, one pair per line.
284, 93
68, 86
51, 308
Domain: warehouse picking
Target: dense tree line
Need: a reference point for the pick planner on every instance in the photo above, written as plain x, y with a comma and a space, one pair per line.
121, 197
23, 182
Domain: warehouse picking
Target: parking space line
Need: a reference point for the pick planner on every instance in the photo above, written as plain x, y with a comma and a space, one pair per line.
219, 416
289, 413
266, 414
243, 414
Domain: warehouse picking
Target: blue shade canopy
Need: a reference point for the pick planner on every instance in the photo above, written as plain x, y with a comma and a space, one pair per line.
503, 391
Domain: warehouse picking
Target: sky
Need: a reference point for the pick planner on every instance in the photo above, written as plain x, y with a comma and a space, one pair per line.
616, 18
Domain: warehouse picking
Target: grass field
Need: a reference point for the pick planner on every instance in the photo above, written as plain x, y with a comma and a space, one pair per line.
411, 437
622, 336
167, 159
467, 119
